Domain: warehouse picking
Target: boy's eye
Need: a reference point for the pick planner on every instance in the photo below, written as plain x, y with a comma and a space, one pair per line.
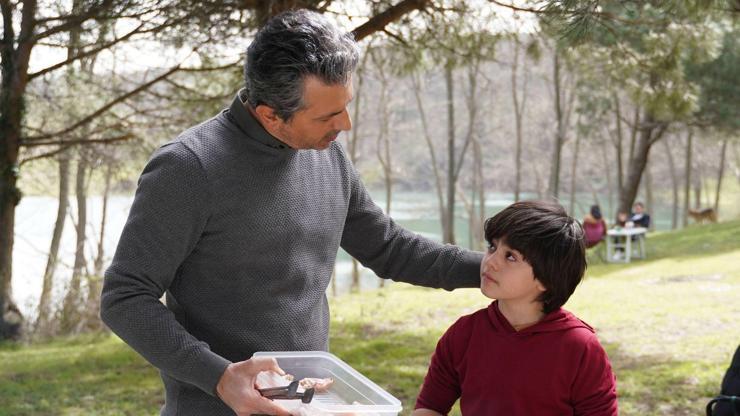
510, 256
491, 248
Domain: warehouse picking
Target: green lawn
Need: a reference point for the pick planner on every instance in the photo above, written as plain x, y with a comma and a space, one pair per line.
669, 324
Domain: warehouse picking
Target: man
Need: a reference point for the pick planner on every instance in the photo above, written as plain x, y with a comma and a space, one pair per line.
639, 217
238, 221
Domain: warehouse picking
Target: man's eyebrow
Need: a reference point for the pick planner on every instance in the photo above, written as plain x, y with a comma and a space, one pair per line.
336, 112
329, 115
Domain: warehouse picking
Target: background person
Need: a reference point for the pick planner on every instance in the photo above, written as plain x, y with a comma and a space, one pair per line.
639, 217
594, 227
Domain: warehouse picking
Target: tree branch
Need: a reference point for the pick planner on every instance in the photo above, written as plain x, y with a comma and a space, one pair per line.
103, 109
85, 54
75, 20
393, 13
66, 144
62, 142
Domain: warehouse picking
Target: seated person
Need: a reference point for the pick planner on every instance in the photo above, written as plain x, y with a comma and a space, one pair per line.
523, 354
639, 217
622, 218
594, 227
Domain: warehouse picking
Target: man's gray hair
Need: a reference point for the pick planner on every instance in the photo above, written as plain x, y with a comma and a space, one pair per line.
291, 46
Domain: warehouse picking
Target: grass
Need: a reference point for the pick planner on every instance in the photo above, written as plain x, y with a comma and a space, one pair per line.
669, 324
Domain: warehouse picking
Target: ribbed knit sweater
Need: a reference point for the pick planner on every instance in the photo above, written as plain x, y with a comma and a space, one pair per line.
241, 232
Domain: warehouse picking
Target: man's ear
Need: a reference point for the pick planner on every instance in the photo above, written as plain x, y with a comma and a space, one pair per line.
268, 117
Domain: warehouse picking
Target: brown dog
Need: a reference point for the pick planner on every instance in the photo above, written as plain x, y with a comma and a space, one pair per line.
705, 214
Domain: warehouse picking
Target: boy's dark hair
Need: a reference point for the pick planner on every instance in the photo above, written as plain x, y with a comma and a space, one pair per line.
550, 241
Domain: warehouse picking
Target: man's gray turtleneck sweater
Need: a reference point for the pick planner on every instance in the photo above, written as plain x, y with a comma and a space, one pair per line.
241, 232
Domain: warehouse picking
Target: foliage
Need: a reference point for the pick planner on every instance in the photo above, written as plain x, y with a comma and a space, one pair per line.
668, 324
720, 86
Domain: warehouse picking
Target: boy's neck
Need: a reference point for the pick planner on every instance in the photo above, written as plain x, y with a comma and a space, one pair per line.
521, 314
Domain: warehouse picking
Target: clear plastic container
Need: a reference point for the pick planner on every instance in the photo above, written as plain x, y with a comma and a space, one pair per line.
351, 392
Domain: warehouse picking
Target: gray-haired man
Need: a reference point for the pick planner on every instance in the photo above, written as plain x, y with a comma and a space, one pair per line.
239, 220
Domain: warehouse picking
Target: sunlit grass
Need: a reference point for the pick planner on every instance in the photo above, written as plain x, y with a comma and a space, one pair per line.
669, 324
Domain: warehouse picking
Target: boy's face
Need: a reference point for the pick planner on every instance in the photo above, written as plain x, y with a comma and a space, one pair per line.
505, 275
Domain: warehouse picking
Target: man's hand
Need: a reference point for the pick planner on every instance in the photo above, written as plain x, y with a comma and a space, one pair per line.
236, 388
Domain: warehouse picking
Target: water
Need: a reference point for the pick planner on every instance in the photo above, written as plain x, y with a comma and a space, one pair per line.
35, 218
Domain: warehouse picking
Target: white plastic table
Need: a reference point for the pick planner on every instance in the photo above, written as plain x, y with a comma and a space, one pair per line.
621, 238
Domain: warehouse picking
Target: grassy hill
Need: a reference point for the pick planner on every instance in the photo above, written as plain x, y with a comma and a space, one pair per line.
669, 323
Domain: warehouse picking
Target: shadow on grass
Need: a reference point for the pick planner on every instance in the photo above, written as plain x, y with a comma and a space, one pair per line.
660, 385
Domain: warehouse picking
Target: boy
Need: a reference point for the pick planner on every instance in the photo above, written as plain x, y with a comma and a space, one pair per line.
524, 354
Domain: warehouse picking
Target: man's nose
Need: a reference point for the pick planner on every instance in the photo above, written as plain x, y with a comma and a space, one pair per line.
343, 121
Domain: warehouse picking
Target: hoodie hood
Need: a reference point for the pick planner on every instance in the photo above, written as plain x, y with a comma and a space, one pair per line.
557, 320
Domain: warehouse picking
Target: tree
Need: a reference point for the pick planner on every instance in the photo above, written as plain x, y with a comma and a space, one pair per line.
201, 24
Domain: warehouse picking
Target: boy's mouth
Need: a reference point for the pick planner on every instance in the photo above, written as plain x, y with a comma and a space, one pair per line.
490, 278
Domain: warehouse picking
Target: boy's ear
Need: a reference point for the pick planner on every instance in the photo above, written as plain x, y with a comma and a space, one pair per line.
540, 286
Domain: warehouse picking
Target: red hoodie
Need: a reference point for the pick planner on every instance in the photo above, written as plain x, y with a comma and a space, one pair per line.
555, 367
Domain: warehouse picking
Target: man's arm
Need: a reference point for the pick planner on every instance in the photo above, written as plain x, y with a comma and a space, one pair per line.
166, 221
393, 252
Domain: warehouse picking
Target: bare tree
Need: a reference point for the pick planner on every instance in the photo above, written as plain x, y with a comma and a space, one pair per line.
720, 174
687, 177
674, 185
353, 145
519, 98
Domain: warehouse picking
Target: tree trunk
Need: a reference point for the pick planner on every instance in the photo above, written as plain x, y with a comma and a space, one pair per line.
449, 233
618, 144
650, 132
574, 175
674, 185
478, 230
70, 320
43, 321
687, 177
697, 179
554, 184
518, 113
477, 213
649, 200
14, 67
355, 282
720, 174
609, 182
384, 143
94, 280
416, 83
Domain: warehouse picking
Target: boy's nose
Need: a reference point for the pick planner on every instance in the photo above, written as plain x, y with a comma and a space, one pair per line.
491, 263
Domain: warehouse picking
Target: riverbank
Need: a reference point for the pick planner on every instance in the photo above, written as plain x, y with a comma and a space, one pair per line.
669, 324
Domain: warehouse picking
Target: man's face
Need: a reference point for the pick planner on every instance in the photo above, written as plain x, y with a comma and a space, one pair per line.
321, 120
637, 209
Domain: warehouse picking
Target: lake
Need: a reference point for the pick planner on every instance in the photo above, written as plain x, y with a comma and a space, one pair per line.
35, 218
